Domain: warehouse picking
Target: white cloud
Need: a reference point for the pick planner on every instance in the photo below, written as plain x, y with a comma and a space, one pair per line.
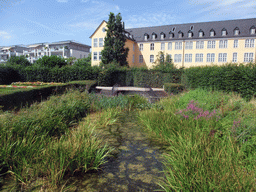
5, 35
62, 1
117, 7
84, 1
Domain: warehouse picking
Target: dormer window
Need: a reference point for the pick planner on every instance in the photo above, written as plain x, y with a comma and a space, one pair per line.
146, 36
201, 33
162, 35
173, 29
252, 30
236, 31
212, 33
180, 34
171, 35
223, 32
191, 27
190, 34
154, 36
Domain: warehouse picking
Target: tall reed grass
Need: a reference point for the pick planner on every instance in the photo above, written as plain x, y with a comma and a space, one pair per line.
206, 152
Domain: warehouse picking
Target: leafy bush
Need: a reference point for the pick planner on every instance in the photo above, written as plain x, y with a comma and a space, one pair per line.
51, 61
8, 75
173, 88
18, 60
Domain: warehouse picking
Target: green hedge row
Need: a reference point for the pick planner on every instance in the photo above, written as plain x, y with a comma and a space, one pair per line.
138, 77
27, 97
174, 88
240, 78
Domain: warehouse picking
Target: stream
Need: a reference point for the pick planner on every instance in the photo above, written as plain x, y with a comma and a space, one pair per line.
135, 164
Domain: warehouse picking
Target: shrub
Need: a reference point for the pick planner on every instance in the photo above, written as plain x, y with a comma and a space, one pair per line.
173, 88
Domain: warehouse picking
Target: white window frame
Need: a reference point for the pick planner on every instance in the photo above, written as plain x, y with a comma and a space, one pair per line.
211, 44
235, 43
200, 34
154, 37
145, 37
140, 58
234, 59
141, 47
223, 44
188, 58
252, 31
170, 56
210, 57
162, 46
211, 33
178, 45
162, 36
101, 42
248, 57
236, 32
169, 45
152, 46
177, 58
222, 57
199, 44
189, 45
249, 43
95, 56
223, 33
100, 56
95, 42
199, 57
189, 35
151, 59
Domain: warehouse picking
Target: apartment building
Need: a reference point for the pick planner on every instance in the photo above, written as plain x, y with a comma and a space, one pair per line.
63, 49
8, 51
190, 44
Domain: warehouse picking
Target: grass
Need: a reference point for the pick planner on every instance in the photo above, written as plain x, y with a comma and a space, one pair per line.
211, 138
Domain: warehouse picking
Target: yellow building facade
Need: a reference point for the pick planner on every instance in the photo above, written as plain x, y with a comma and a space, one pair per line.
192, 44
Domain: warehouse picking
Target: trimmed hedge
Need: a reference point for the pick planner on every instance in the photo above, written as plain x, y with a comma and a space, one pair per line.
174, 88
27, 97
240, 78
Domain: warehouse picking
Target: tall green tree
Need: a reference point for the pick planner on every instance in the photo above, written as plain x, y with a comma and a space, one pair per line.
114, 50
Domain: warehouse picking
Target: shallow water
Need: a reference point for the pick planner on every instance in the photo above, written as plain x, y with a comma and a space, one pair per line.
135, 164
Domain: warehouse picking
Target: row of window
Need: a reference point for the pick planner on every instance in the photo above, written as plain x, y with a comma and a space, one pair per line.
249, 43
199, 57
95, 56
201, 33
97, 43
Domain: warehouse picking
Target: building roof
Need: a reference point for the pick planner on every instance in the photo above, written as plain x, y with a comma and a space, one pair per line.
244, 26
69, 41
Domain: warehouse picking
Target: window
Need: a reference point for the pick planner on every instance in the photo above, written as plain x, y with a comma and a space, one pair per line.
95, 42
223, 44
210, 57
170, 46
189, 45
199, 57
249, 43
100, 42
200, 33
153, 36
223, 32
169, 58
141, 47
235, 43
222, 57
146, 37
133, 57
212, 33
188, 57
152, 46
171, 35
190, 34
95, 55
99, 55
162, 46
178, 45
248, 57
162, 36
252, 31
211, 45
199, 44
177, 58
141, 58
151, 58
234, 57
133, 47
236, 32
180, 34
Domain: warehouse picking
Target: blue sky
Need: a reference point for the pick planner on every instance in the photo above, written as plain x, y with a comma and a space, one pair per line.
36, 21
